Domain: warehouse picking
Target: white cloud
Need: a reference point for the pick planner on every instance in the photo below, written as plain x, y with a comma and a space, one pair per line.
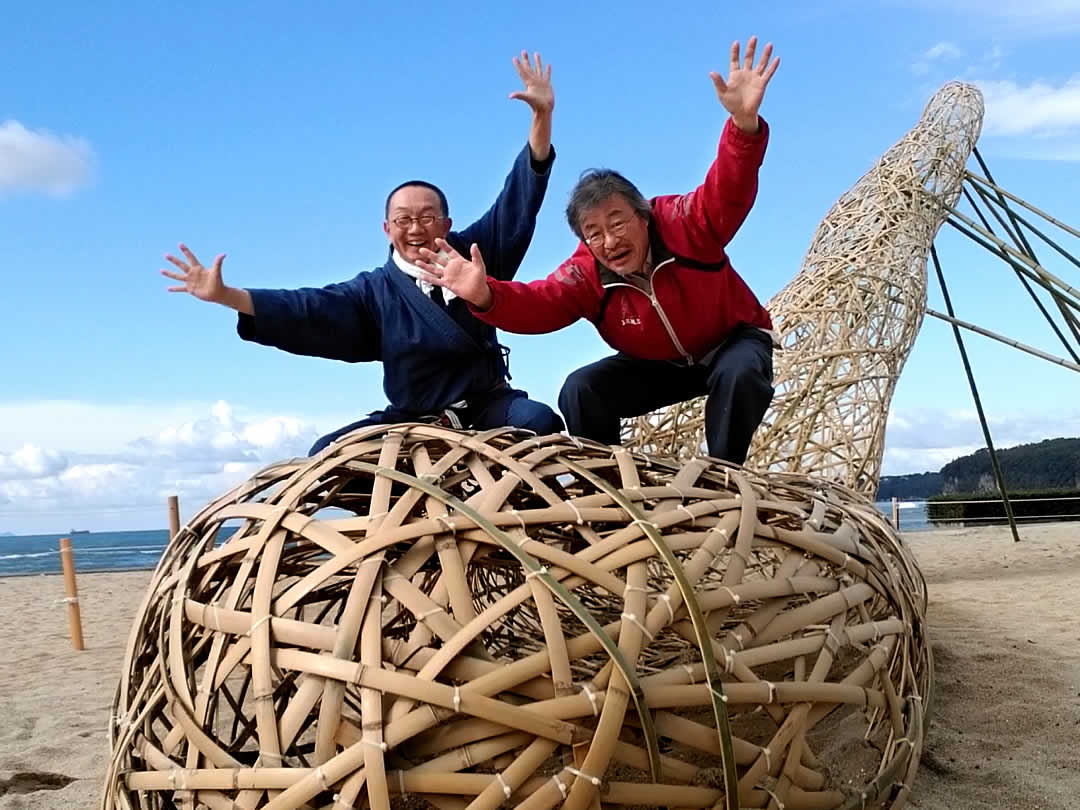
942, 51
30, 461
1018, 16
1038, 108
41, 161
924, 440
197, 459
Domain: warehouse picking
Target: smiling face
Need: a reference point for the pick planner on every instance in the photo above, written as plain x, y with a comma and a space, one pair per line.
415, 220
617, 235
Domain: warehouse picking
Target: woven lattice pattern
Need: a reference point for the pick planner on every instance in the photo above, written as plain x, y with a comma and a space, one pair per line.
848, 320
475, 620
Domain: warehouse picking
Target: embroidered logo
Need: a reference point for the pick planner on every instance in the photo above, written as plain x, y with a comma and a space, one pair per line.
627, 316
680, 210
570, 274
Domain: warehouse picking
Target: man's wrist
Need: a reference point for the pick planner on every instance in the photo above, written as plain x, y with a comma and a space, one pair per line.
238, 299
485, 300
748, 124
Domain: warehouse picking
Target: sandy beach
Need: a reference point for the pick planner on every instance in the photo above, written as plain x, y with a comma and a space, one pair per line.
1002, 615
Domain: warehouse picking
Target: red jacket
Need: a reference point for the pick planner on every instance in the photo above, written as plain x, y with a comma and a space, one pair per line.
694, 288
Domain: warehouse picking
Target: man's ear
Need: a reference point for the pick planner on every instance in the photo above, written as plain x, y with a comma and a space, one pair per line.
386, 228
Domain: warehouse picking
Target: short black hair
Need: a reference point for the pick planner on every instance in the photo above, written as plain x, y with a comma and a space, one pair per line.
422, 184
596, 185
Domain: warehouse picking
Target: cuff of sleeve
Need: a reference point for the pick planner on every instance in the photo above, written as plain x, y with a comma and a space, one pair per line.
746, 143
486, 314
541, 166
747, 139
245, 326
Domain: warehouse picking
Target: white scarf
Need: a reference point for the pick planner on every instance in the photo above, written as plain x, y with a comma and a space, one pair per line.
414, 271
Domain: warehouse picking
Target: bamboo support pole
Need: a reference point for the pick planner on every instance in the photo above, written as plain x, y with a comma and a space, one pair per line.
174, 516
71, 591
998, 476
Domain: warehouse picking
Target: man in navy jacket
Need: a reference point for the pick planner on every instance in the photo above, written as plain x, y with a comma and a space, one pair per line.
440, 362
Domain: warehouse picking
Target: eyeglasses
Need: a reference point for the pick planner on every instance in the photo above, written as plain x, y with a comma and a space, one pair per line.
404, 221
616, 229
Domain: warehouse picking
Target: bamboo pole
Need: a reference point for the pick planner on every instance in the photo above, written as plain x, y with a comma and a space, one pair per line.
896, 514
72, 591
174, 516
1002, 339
975, 396
1018, 238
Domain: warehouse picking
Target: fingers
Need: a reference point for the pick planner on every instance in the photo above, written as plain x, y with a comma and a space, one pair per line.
523, 66
217, 263
477, 259
772, 69
530, 70
429, 268
190, 256
176, 289
447, 248
181, 264
174, 276
718, 83
751, 47
764, 63
734, 56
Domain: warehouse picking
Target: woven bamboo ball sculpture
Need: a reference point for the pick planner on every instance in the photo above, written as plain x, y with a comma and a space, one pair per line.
423, 617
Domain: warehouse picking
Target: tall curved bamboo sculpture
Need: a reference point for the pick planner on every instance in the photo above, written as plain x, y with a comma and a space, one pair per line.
848, 320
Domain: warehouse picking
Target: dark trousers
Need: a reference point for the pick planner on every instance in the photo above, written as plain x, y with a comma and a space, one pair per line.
508, 407
737, 379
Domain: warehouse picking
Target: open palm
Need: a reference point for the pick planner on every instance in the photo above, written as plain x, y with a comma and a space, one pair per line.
465, 278
743, 91
538, 93
204, 283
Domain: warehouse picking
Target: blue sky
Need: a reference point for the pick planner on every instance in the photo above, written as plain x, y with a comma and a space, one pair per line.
272, 132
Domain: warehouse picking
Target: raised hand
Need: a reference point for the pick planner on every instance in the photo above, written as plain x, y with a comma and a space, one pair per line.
744, 89
465, 278
204, 283
537, 93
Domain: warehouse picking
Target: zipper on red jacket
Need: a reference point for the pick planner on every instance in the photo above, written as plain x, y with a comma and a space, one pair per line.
660, 310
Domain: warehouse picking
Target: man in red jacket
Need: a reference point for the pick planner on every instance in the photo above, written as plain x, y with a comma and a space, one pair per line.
654, 278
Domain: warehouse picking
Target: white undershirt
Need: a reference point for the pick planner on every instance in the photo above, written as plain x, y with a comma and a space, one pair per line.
412, 270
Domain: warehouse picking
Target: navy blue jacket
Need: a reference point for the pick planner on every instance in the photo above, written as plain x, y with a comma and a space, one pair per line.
431, 357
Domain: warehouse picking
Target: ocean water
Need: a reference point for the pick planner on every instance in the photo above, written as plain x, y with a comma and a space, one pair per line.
913, 516
124, 551
95, 551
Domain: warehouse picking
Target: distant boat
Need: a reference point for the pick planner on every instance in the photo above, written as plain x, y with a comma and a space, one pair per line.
79, 531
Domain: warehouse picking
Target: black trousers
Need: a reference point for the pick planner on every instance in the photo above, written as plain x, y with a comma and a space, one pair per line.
509, 406
737, 378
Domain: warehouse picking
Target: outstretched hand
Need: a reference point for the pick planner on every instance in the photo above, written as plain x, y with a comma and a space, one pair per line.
744, 89
465, 278
202, 282
538, 93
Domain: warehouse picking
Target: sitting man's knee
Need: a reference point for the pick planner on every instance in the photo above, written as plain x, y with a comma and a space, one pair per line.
320, 445
577, 385
537, 417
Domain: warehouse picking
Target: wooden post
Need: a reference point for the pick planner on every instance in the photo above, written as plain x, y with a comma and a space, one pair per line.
896, 514
174, 516
74, 618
